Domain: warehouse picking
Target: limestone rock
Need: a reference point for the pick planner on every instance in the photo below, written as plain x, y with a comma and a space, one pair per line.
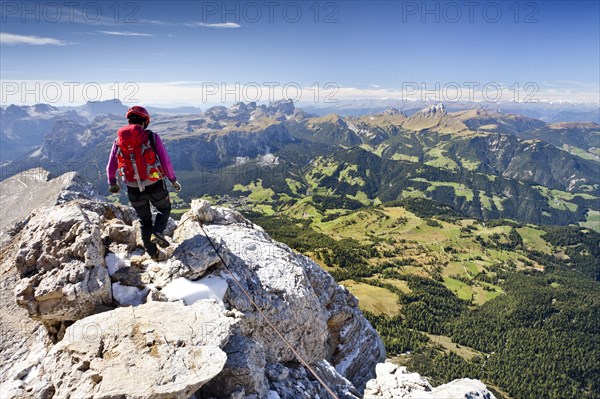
156, 350
396, 382
464, 388
61, 264
245, 369
297, 382
198, 255
294, 292
77, 261
119, 232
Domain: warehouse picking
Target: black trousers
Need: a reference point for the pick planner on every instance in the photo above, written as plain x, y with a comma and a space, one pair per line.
157, 195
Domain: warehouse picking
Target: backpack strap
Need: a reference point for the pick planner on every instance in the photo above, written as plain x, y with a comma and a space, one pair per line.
151, 139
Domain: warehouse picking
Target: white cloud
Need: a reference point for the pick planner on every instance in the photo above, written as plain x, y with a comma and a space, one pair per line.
195, 24
12, 39
196, 93
223, 25
124, 33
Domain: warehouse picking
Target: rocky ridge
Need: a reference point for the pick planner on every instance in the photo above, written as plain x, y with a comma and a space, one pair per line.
97, 319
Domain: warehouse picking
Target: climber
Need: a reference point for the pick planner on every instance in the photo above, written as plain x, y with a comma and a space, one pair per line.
143, 164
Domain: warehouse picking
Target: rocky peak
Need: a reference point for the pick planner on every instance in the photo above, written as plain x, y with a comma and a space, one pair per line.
15, 111
241, 111
216, 113
393, 111
77, 265
64, 141
94, 108
435, 109
574, 125
284, 107
44, 108
101, 320
435, 118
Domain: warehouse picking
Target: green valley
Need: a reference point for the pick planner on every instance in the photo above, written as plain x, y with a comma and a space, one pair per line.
457, 297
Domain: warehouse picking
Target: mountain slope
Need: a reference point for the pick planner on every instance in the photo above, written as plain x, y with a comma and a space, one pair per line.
447, 157
76, 265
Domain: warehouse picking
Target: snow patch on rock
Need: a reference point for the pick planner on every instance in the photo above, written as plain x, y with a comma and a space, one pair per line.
210, 287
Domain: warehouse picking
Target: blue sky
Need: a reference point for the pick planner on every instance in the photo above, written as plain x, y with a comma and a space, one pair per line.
365, 49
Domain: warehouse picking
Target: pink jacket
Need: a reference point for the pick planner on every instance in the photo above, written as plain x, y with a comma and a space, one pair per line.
161, 151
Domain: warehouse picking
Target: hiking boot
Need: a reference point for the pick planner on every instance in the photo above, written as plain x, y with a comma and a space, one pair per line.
160, 240
158, 256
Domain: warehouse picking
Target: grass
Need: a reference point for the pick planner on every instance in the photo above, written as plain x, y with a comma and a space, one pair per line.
177, 213
485, 200
293, 185
367, 147
403, 157
412, 193
532, 238
409, 237
320, 165
439, 160
459, 189
462, 290
373, 299
482, 295
352, 180
468, 164
580, 153
303, 208
560, 199
380, 149
446, 342
360, 196
400, 284
257, 193
592, 220
498, 202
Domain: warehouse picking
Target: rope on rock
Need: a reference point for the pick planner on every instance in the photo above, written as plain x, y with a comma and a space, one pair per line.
287, 343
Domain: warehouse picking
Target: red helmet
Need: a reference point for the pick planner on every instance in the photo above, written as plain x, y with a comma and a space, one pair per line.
140, 111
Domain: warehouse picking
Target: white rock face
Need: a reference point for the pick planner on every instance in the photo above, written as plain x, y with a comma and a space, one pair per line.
466, 388
61, 262
393, 381
118, 325
156, 350
294, 292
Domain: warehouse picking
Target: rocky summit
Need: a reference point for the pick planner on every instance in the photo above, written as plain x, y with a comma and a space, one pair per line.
85, 314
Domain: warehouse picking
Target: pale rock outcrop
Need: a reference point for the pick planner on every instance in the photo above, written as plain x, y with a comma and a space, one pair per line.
80, 258
109, 331
155, 350
243, 371
297, 382
294, 292
394, 382
61, 264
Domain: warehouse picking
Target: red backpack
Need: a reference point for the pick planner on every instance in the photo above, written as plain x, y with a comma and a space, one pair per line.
136, 157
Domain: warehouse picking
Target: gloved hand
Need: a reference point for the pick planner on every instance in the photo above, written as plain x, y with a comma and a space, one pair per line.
176, 186
114, 188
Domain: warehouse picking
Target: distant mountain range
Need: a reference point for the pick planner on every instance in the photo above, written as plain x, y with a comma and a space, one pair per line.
544, 111
480, 162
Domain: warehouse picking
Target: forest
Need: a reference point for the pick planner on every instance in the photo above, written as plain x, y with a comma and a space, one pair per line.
541, 339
